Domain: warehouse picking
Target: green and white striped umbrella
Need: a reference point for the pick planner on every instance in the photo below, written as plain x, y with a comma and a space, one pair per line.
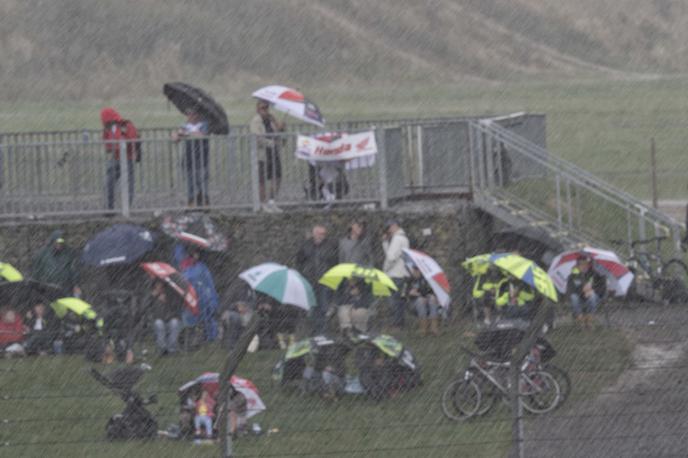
281, 283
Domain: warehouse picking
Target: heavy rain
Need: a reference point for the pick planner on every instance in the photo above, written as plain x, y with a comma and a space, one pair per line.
389, 228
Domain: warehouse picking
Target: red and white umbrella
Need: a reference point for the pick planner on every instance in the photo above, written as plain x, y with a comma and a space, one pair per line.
291, 102
210, 382
174, 280
605, 262
432, 272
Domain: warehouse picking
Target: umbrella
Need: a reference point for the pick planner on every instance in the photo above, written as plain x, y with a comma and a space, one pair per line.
174, 280
292, 102
72, 304
525, 270
9, 273
323, 350
606, 263
26, 293
210, 382
186, 97
195, 228
381, 284
285, 285
477, 265
432, 272
118, 244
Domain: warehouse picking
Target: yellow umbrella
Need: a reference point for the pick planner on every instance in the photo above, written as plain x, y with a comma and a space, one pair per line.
477, 265
381, 284
78, 306
9, 273
527, 271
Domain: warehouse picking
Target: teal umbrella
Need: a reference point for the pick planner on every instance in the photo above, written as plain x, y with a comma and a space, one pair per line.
285, 285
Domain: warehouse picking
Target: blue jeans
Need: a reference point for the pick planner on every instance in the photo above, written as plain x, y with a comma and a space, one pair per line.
398, 304
590, 304
197, 170
204, 421
112, 174
426, 307
167, 334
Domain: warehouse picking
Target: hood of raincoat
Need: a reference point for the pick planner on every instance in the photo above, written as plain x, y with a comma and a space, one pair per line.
109, 115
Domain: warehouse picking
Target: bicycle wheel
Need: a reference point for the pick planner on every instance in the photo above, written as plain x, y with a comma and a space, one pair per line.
563, 379
488, 394
675, 282
460, 400
539, 392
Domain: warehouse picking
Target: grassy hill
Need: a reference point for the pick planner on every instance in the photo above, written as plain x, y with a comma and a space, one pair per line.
98, 48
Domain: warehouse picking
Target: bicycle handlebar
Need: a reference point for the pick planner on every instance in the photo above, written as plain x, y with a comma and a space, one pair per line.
650, 240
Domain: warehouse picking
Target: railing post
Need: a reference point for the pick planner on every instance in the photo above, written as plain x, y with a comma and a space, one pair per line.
557, 182
382, 156
124, 177
569, 207
419, 145
255, 180
641, 222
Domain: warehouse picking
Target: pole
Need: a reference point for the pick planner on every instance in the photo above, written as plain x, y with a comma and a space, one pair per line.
233, 360
653, 168
124, 178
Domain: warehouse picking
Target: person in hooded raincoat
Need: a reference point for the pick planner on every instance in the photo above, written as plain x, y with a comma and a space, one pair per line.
116, 129
56, 263
198, 274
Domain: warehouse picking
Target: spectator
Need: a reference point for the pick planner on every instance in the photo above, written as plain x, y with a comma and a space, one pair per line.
514, 299
11, 332
238, 411
56, 264
315, 257
485, 288
233, 321
41, 330
420, 294
394, 241
355, 247
204, 415
265, 126
164, 309
354, 302
116, 129
196, 150
584, 288
197, 273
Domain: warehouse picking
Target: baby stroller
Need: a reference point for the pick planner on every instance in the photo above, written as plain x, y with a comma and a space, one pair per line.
135, 422
498, 341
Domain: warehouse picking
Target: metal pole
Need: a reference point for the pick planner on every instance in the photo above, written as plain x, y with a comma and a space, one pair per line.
557, 182
255, 186
653, 169
233, 359
384, 199
419, 146
124, 178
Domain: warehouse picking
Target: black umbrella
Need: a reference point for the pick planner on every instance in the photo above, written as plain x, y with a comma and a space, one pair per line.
116, 245
22, 295
186, 97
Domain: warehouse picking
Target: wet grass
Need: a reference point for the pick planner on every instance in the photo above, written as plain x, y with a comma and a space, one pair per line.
51, 403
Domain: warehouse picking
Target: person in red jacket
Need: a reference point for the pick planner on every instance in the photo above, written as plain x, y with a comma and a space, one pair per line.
116, 129
11, 328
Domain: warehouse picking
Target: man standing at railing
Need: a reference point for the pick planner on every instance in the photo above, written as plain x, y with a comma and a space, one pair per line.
116, 129
265, 127
196, 151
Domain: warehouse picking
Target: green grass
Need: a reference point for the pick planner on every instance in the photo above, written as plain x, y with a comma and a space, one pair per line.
42, 396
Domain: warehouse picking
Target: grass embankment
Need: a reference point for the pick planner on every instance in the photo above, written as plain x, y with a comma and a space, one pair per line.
53, 406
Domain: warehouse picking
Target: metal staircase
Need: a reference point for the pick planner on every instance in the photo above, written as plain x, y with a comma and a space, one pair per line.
523, 185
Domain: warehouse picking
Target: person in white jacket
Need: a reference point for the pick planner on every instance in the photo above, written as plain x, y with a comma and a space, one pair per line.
394, 241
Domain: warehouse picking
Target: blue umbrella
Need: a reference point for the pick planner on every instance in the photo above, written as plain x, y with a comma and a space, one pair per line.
118, 244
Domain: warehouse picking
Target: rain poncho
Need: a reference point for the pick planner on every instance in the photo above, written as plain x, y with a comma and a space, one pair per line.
198, 274
58, 267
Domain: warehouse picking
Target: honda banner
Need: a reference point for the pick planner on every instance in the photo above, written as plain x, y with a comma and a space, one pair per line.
336, 147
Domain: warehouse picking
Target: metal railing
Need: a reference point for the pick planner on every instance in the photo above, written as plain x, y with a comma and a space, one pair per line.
509, 170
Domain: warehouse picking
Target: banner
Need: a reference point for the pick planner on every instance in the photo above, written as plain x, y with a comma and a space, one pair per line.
328, 148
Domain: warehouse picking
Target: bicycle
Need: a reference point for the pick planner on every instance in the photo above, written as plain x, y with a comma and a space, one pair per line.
667, 280
475, 392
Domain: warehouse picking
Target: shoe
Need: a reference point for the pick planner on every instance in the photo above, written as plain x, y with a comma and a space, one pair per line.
267, 208
274, 207
422, 327
435, 326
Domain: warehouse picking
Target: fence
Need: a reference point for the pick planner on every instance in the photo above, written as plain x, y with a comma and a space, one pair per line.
68, 173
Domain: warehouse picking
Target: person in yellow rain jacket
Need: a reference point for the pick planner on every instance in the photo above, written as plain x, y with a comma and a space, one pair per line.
485, 289
515, 299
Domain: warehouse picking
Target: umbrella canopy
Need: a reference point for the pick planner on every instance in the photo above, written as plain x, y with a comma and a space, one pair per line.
381, 284
292, 102
527, 271
118, 244
9, 273
72, 304
604, 262
26, 293
195, 228
174, 280
477, 265
285, 285
432, 272
185, 97
210, 382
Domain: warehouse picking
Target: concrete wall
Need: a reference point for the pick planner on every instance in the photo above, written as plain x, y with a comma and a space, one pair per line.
458, 230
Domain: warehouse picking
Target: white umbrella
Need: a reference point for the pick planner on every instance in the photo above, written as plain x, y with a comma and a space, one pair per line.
605, 262
432, 272
291, 102
285, 285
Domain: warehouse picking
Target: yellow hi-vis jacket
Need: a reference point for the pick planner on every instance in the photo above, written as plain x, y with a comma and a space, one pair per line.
480, 286
524, 296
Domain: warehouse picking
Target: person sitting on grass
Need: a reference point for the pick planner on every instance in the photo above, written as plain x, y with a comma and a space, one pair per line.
514, 300
204, 415
164, 309
11, 332
485, 288
584, 288
419, 293
40, 330
238, 410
